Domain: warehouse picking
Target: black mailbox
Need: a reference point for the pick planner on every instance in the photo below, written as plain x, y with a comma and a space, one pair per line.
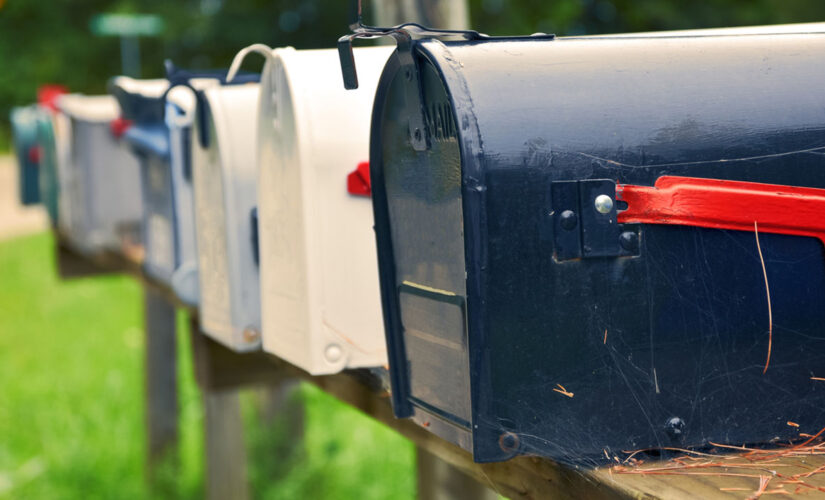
577, 236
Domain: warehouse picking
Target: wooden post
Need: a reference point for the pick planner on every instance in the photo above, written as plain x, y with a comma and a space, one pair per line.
160, 370
221, 373
438, 480
225, 451
277, 401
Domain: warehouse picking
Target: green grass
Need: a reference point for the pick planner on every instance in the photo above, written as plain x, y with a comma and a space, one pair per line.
71, 404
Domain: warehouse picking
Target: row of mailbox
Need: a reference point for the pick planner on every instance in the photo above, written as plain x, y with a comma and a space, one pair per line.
573, 238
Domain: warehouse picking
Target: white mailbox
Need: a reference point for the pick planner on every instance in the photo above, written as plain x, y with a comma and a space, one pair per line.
225, 176
102, 177
321, 308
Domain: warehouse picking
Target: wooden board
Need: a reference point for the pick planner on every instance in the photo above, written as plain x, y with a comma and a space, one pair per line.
220, 369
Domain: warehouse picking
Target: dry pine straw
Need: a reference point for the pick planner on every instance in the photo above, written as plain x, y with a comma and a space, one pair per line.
764, 465
768, 466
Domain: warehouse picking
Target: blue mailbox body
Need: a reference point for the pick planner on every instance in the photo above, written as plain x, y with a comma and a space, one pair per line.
165, 228
24, 132
48, 180
525, 313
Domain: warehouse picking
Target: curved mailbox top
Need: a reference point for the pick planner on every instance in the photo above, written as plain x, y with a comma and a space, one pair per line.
97, 108
526, 314
141, 101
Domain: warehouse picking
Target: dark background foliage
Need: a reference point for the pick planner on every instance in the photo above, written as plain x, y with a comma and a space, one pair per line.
50, 41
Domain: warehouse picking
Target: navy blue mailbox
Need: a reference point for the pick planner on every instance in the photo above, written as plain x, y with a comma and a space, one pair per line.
24, 132
168, 226
156, 120
589, 246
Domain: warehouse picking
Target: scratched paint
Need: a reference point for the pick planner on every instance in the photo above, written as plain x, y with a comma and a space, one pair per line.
682, 365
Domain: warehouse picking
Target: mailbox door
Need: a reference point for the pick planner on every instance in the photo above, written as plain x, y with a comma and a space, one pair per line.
225, 174
179, 120
419, 217
320, 278
24, 132
48, 180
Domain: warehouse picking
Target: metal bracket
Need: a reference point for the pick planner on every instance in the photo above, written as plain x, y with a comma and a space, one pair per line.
405, 35
585, 221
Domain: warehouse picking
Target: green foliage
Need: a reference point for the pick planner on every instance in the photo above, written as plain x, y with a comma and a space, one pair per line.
588, 17
70, 371
50, 42
71, 404
344, 455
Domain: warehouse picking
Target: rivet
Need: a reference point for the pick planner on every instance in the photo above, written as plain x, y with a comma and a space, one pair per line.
629, 240
251, 334
674, 427
604, 204
509, 442
333, 353
568, 220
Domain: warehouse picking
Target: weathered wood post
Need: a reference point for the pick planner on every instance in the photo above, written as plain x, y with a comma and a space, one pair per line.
221, 374
160, 369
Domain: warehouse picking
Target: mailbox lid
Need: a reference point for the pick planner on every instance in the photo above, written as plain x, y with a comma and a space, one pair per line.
320, 284
142, 127
572, 358
179, 118
140, 100
420, 228
224, 175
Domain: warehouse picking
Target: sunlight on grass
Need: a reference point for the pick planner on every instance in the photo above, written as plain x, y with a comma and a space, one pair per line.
71, 404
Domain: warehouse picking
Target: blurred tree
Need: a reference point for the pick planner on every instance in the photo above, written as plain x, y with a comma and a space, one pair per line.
50, 42
579, 17
45, 42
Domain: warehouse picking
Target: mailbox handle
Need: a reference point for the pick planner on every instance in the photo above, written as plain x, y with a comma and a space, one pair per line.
724, 204
258, 48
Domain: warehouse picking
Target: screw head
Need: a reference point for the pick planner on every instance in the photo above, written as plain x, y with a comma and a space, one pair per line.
674, 427
629, 240
509, 442
333, 353
568, 220
604, 204
251, 334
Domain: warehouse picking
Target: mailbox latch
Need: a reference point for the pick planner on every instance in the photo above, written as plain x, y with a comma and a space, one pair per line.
585, 221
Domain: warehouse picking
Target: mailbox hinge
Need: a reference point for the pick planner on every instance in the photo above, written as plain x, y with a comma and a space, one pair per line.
585, 221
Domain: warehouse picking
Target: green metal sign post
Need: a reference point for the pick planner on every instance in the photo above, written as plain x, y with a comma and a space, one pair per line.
128, 27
